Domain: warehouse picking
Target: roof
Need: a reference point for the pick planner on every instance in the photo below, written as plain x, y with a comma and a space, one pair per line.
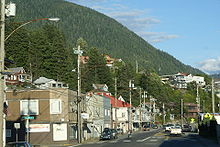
17, 69
117, 103
42, 80
99, 86
190, 104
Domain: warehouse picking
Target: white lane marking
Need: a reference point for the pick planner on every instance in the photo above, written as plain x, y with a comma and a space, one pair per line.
126, 140
76, 145
115, 141
142, 140
153, 140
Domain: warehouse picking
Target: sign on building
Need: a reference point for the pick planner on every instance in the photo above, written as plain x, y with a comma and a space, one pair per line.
39, 128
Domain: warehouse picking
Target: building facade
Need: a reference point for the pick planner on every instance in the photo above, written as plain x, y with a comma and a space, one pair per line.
45, 116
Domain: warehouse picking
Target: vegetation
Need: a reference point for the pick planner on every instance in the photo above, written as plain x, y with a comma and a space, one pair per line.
100, 31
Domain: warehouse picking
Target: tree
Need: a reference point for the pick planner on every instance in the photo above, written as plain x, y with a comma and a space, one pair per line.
96, 71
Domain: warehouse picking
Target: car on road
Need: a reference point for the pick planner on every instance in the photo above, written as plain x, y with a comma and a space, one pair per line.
146, 128
106, 135
168, 127
176, 130
18, 144
186, 128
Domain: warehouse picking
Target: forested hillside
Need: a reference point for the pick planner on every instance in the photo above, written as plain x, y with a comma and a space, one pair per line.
99, 31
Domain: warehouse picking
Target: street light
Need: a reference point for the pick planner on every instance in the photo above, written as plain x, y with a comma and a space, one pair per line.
49, 19
2, 65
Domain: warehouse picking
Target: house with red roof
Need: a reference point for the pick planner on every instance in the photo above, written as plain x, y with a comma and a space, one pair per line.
120, 113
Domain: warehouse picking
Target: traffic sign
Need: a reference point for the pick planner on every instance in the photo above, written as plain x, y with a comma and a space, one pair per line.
27, 117
17, 125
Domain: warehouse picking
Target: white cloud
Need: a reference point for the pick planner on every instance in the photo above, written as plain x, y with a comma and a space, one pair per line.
210, 65
155, 37
134, 19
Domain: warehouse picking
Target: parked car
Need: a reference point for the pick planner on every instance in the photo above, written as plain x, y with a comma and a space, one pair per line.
146, 128
18, 144
106, 135
114, 133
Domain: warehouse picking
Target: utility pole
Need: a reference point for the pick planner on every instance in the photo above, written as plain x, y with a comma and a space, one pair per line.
2, 57
140, 108
116, 119
197, 98
150, 111
131, 85
79, 127
163, 114
154, 106
136, 66
213, 97
182, 112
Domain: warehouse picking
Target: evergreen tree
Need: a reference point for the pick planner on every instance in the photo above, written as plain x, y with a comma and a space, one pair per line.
96, 71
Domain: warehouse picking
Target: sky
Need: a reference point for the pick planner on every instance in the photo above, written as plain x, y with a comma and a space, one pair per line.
189, 30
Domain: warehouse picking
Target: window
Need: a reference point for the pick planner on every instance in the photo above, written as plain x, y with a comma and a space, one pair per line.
29, 107
8, 132
55, 106
106, 112
54, 85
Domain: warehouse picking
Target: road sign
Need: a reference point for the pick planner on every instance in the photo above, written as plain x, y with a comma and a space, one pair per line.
27, 117
17, 125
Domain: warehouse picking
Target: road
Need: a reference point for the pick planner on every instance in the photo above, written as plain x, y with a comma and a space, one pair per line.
154, 138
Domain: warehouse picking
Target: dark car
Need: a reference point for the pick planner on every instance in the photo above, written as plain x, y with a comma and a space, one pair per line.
106, 135
146, 128
186, 128
18, 144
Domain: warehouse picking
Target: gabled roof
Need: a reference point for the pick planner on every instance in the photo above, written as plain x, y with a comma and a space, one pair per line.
100, 86
42, 80
117, 103
17, 70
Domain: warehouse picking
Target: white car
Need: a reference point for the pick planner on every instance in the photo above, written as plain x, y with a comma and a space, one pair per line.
176, 130
168, 127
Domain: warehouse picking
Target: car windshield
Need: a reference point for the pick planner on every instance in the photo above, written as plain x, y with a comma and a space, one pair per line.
106, 132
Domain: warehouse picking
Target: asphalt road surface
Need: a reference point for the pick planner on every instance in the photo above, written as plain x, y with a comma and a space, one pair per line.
155, 138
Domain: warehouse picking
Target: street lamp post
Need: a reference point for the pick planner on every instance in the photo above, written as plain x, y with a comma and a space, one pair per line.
49, 19
2, 57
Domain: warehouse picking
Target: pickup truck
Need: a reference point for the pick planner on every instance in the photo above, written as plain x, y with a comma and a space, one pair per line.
176, 130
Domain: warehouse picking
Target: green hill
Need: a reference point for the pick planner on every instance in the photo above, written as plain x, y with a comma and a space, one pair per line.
100, 31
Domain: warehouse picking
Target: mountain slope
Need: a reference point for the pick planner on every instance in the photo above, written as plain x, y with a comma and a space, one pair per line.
100, 31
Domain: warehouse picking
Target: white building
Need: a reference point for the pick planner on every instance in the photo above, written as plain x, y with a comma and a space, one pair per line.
45, 83
180, 80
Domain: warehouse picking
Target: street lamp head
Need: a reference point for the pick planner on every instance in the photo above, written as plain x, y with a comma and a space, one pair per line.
56, 19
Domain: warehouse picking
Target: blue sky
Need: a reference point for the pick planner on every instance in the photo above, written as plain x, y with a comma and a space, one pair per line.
189, 30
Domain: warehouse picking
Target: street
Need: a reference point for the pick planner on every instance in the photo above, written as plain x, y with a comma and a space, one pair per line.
155, 138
